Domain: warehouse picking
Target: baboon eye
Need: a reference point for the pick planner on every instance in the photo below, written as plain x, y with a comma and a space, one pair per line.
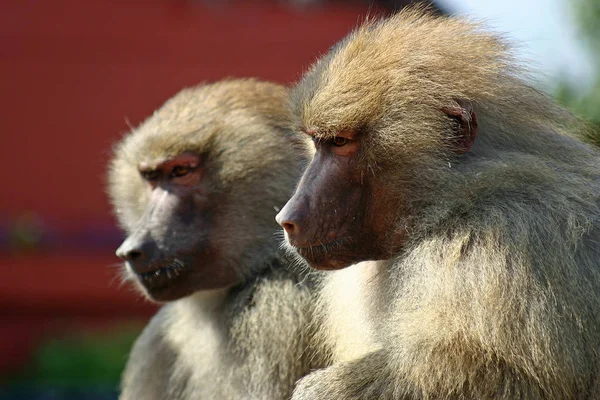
149, 175
339, 141
316, 141
180, 170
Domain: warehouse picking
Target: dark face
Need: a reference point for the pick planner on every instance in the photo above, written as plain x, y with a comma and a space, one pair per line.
344, 212
331, 221
169, 252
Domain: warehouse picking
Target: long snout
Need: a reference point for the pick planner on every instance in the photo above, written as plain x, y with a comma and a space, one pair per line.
293, 217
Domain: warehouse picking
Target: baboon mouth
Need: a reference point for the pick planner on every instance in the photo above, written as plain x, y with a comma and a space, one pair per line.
163, 275
327, 256
334, 244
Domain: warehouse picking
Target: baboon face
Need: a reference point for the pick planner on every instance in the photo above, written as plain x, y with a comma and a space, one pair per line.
197, 185
342, 211
169, 252
330, 220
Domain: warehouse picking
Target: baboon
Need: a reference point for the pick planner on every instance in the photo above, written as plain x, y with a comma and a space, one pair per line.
472, 212
197, 187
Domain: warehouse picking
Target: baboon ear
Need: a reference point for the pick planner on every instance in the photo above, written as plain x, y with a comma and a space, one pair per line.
464, 114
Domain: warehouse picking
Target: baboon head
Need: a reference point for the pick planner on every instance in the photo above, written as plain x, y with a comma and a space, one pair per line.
198, 184
387, 109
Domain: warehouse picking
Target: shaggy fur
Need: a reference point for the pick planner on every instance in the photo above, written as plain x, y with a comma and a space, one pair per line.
496, 292
246, 342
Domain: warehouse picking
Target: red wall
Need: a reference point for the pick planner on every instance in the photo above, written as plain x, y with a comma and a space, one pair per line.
73, 72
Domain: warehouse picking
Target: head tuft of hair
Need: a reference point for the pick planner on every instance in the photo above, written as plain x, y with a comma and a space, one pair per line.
392, 77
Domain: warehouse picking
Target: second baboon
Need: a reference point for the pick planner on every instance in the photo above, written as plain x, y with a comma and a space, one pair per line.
478, 207
197, 187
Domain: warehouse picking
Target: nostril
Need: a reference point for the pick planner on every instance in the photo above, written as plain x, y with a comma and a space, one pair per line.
289, 227
130, 254
133, 255
288, 217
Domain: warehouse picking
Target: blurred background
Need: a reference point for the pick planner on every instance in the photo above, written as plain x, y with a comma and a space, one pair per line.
76, 75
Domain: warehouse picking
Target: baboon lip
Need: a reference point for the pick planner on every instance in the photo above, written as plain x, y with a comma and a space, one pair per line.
319, 246
327, 256
162, 275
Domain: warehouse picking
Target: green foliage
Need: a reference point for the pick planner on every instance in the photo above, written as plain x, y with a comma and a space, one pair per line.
586, 105
78, 361
84, 361
588, 13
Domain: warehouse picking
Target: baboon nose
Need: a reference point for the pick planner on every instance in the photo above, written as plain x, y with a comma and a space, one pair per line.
289, 227
129, 255
134, 250
287, 223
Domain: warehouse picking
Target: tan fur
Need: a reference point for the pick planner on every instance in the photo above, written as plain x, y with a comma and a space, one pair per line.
346, 332
496, 292
251, 341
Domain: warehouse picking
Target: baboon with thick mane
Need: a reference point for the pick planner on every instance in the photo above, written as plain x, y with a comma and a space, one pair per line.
196, 187
476, 206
